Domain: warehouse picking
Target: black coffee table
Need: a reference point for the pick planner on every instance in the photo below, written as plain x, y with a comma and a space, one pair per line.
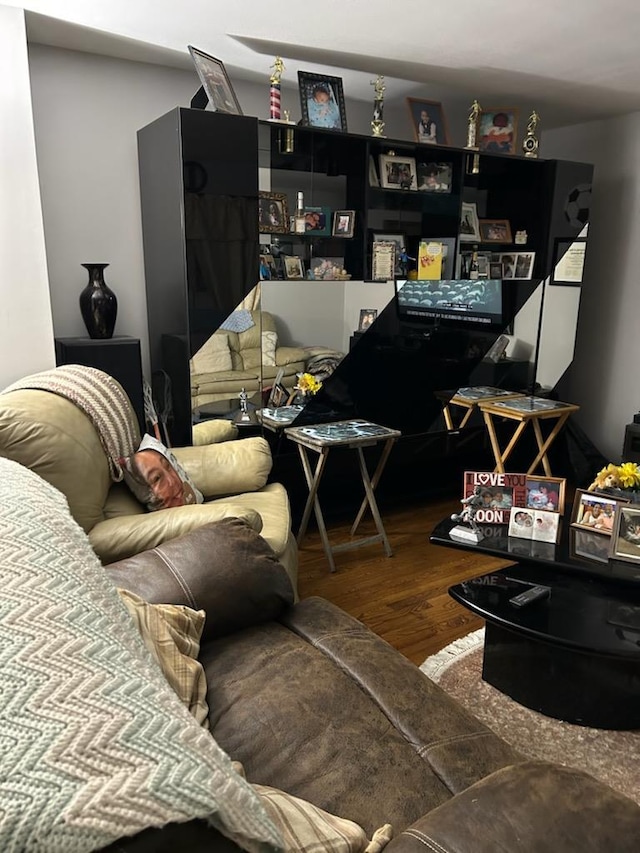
574, 656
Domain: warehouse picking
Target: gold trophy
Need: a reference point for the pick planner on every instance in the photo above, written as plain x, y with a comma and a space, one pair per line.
377, 124
530, 143
472, 130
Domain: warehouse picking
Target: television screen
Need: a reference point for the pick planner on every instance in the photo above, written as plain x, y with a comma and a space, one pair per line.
468, 300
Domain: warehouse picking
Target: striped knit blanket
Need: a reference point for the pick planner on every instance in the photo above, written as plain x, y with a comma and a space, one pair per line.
102, 400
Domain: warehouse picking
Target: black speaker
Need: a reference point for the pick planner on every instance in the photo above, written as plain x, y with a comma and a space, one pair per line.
631, 448
118, 356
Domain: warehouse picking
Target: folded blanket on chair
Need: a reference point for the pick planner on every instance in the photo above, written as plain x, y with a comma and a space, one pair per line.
102, 400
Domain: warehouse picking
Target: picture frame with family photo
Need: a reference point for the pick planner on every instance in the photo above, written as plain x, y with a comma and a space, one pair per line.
536, 524
594, 512
435, 177
496, 493
515, 265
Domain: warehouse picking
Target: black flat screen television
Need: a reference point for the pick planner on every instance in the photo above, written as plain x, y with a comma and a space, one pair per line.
477, 301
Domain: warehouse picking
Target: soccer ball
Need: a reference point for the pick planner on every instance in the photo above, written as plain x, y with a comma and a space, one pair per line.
577, 206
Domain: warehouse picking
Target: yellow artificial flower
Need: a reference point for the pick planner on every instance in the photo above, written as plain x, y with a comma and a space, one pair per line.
629, 475
308, 384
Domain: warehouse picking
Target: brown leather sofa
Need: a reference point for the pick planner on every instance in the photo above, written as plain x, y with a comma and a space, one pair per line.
312, 702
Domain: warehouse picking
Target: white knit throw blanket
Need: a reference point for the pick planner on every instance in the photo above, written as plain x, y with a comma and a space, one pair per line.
102, 400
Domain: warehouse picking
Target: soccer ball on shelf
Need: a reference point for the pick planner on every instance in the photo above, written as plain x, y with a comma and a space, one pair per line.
577, 206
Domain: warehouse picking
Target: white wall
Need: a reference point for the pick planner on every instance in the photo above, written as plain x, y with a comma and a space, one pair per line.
26, 333
605, 378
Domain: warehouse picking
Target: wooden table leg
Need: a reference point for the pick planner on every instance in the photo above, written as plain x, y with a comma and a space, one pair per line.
313, 481
543, 447
448, 420
371, 499
374, 482
466, 417
514, 440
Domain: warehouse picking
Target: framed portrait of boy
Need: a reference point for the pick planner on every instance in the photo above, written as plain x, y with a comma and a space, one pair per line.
215, 82
497, 131
428, 121
322, 101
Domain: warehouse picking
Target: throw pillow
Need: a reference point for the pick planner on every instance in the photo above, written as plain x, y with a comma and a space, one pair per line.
213, 357
305, 828
157, 479
172, 634
96, 746
269, 344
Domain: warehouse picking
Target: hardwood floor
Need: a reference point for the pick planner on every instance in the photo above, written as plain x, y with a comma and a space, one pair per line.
402, 598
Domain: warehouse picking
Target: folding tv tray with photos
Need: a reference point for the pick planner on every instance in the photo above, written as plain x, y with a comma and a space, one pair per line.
539, 409
469, 403
354, 434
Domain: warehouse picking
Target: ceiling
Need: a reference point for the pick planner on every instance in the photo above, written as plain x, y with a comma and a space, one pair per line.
574, 60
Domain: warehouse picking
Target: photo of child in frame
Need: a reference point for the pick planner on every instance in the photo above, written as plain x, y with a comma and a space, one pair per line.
322, 101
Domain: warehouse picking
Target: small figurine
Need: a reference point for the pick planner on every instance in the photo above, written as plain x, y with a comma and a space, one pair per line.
403, 261
472, 131
377, 124
274, 90
530, 143
244, 405
607, 478
471, 505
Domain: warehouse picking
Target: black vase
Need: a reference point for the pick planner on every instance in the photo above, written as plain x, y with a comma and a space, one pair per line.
98, 304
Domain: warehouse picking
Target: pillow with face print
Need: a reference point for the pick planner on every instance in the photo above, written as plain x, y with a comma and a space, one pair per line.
157, 479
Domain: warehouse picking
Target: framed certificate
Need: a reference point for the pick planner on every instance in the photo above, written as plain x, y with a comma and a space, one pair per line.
383, 261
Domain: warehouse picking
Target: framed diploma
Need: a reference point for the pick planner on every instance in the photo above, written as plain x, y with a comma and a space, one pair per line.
383, 261
569, 266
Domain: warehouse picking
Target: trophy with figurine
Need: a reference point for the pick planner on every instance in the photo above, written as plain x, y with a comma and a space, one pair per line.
473, 126
377, 124
530, 143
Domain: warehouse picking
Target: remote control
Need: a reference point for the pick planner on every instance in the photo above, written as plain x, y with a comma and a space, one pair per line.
530, 595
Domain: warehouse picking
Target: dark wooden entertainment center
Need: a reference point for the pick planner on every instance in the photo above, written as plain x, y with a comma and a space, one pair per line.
200, 176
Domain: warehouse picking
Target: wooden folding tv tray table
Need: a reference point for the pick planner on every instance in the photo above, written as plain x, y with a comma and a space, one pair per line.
354, 434
540, 409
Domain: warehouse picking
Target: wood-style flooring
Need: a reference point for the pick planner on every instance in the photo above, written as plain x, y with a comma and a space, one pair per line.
402, 598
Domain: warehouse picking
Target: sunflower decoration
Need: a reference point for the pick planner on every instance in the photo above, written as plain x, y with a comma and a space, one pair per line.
308, 384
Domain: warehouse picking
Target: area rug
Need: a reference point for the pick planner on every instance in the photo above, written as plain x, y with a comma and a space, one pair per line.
612, 756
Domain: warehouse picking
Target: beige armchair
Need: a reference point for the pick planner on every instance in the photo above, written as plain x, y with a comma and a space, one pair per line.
54, 438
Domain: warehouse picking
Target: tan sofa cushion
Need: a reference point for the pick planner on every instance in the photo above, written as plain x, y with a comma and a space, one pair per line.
272, 504
213, 356
51, 436
120, 537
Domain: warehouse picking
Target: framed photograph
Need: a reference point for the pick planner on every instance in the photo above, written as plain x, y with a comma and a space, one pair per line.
273, 213
343, 223
590, 546
535, 524
594, 512
428, 121
322, 101
517, 265
317, 221
435, 177
545, 493
626, 534
367, 317
498, 493
268, 269
398, 173
498, 130
383, 260
215, 82
293, 267
328, 269
469, 224
495, 231
496, 269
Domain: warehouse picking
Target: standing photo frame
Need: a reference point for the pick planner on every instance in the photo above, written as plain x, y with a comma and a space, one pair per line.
495, 231
498, 130
469, 223
322, 101
428, 121
398, 172
344, 222
215, 82
273, 213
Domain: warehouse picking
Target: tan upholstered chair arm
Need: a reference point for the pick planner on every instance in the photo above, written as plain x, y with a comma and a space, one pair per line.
119, 538
214, 431
229, 468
